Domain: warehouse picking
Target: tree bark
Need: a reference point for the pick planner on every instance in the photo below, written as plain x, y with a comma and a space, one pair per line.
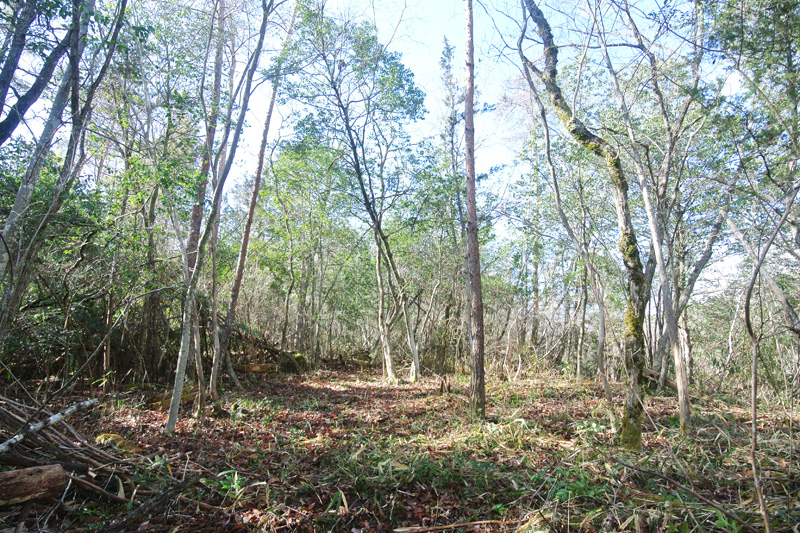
477, 387
22, 21
31, 484
636, 290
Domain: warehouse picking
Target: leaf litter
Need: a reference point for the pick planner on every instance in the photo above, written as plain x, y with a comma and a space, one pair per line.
336, 451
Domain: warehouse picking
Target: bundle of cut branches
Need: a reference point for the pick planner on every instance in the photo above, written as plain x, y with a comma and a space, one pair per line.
47, 460
32, 436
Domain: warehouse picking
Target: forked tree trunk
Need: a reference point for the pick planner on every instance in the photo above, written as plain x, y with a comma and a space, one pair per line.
636, 290
242, 259
383, 326
211, 129
17, 251
186, 318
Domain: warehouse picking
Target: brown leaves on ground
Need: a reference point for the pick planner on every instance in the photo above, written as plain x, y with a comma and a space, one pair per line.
332, 451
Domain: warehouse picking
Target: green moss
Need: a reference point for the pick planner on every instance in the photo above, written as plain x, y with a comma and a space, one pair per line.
631, 431
615, 168
628, 246
565, 115
634, 326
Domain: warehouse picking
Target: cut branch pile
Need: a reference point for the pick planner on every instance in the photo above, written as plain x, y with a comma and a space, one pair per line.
50, 441
48, 460
255, 354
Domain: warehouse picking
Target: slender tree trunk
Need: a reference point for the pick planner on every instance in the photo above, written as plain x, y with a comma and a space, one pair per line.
287, 299
183, 354
300, 333
197, 209
386, 348
199, 408
148, 340
477, 387
111, 309
636, 290
16, 251
582, 303
212, 126
215, 333
755, 339
242, 259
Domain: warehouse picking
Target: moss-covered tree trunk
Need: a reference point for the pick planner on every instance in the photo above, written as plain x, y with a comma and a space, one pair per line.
636, 290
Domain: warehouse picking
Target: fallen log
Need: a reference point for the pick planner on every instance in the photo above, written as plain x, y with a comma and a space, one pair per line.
13, 459
30, 484
654, 377
160, 402
256, 368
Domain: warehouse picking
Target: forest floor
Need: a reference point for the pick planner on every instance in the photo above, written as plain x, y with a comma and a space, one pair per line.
340, 451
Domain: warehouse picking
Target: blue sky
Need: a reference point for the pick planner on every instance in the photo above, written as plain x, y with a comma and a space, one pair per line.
416, 29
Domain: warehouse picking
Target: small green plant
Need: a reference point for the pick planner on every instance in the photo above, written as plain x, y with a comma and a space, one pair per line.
674, 422
582, 486
726, 524
590, 428
230, 485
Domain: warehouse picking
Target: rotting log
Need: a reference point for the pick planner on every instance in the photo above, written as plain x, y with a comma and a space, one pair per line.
654, 377
161, 401
256, 368
31, 484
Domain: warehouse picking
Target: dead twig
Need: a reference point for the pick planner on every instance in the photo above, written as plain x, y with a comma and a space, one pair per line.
91, 486
454, 526
156, 501
45, 423
689, 490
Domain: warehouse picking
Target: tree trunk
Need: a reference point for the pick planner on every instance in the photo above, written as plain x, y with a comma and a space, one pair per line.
412, 341
205, 166
24, 249
383, 326
148, 343
477, 388
111, 306
242, 259
584, 298
183, 354
198, 411
636, 290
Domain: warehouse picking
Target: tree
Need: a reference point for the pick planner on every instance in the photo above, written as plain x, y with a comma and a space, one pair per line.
77, 90
477, 388
366, 95
240, 263
637, 289
267, 7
